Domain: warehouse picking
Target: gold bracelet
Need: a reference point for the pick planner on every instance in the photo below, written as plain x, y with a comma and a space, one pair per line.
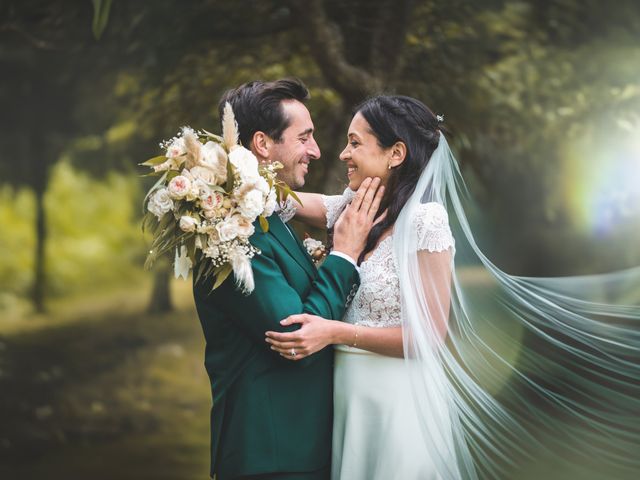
355, 337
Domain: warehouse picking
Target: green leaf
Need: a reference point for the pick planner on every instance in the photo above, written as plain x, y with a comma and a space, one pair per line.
101, 10
222, 275
213, 135
230, 177
296, 198
154, 161
264, 224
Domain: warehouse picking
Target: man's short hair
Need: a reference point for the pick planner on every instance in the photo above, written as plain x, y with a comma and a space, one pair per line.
257, 106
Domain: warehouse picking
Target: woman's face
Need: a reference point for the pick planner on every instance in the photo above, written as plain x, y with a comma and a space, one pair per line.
363, 155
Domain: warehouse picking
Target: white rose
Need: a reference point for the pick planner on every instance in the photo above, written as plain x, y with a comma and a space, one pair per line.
188, 223
245, 163
179, 187
251, 204
160, 203
227, 230
245, 227
270, 204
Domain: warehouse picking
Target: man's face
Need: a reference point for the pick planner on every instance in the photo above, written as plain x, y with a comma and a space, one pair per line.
298, 147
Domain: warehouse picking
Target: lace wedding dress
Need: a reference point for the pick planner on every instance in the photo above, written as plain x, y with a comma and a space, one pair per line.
376, 432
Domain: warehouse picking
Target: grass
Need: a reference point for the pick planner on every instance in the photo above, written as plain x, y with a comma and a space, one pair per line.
99, 389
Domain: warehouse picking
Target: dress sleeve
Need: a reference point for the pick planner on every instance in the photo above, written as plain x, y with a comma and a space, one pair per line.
432, 228
335, 204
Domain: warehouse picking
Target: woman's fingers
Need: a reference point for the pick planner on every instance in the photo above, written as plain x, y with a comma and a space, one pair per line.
360, 194
375, 203
370, 195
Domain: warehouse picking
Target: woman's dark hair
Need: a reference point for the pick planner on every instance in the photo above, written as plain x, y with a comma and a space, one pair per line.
257, 106
399, 119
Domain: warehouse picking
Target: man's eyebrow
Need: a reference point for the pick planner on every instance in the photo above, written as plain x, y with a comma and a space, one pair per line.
308, 131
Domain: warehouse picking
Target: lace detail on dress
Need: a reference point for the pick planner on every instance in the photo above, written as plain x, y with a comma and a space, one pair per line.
334, 205
432, 227
287, 211
377, 301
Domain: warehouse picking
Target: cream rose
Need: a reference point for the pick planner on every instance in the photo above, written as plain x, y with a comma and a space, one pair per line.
227, 230
245, 227
160, 203
188, 223
210, 200
179, 187
204, 174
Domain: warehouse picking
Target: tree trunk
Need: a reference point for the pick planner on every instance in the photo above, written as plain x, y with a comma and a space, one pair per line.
39, 276
160, 301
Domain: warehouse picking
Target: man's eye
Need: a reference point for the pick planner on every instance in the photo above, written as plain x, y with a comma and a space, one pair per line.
303, 139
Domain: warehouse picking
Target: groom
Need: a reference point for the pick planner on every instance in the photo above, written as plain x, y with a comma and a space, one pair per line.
271, 418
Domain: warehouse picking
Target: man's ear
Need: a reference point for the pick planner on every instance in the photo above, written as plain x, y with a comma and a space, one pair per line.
398, 153
261, 145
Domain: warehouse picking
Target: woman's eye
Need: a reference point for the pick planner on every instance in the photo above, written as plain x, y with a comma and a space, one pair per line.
353, 143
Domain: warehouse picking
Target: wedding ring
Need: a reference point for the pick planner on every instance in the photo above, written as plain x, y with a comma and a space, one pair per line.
293, 352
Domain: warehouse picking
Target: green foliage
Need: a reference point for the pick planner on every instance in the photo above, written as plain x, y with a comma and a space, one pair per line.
17, 240
94, 240
101, 10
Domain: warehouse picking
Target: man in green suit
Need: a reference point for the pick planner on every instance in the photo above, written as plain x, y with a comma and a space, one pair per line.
272, 418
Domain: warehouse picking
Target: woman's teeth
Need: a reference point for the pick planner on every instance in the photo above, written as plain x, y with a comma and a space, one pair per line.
350, 170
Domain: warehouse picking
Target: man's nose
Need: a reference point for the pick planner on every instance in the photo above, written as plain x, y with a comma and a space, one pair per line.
313, 150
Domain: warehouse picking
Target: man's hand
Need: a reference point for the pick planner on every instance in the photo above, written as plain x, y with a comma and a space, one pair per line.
315, 334
352, 228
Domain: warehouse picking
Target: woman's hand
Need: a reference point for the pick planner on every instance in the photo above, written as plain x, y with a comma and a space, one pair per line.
315, 334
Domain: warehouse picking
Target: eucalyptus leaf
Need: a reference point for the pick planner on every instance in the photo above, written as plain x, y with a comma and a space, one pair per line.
264, 224
222, 276
154, 161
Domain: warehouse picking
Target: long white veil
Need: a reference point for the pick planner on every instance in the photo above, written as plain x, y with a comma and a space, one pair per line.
537, 376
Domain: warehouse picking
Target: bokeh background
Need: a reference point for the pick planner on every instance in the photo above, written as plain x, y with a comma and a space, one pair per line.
101, 362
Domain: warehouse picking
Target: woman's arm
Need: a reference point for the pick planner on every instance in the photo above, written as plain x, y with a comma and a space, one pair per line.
435, 273
312, 211
317, 332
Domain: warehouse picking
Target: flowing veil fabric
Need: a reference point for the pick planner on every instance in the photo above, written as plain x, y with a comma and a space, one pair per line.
536, 375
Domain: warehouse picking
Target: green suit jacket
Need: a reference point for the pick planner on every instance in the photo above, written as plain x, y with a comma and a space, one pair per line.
271, 414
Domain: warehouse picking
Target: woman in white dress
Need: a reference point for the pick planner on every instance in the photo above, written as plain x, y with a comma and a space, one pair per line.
417, 380
376, 430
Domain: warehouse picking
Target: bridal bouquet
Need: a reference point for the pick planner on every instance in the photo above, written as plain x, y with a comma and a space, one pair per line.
210, 192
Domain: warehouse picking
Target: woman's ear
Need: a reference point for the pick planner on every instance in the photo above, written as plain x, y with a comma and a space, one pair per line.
261, 145
398, 153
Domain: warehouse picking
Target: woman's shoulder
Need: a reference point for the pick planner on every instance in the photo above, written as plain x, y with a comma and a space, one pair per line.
430, 214
431, 224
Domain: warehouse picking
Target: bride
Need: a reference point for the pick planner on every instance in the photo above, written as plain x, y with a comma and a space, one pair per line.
418, 384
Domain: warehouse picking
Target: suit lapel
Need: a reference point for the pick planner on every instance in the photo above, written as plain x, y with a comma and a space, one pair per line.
286, 238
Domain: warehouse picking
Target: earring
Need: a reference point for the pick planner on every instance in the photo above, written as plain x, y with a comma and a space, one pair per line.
389, 166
